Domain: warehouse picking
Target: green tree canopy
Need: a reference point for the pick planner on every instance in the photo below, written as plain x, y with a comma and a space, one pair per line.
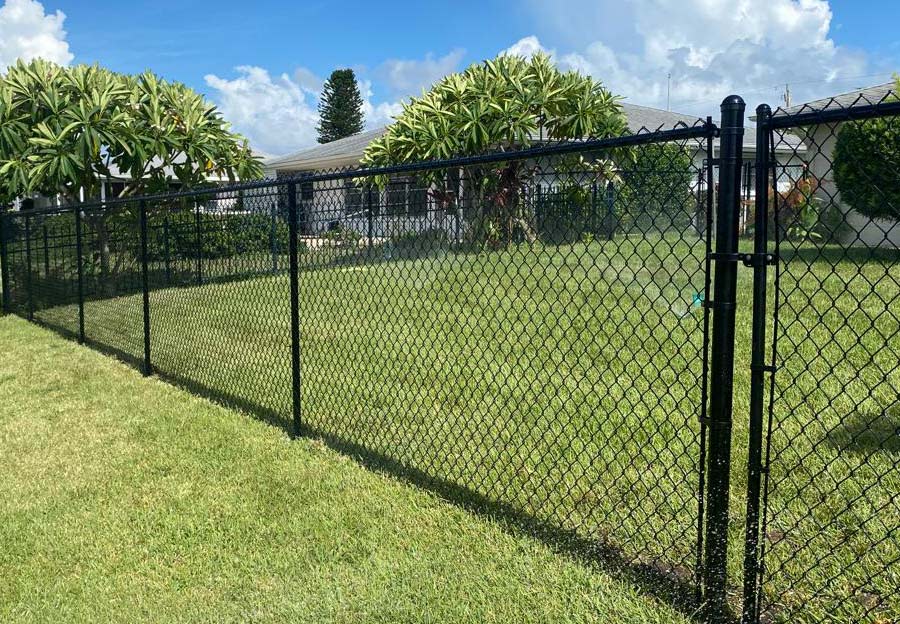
63, 129
340, 107
867, 165
505, 103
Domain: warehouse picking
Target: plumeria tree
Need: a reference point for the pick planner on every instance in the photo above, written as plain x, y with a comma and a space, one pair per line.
506, 103
66, 130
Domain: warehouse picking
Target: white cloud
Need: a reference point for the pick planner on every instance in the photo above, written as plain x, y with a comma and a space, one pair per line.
276, 113
527, 47
279, 114
380, 114
409, 77
27, 32
711, 48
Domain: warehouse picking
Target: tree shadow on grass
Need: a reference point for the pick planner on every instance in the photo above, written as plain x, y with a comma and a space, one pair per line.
869, 432
837, 254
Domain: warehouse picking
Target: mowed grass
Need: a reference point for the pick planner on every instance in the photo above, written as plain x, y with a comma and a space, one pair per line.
565, 383
125, 499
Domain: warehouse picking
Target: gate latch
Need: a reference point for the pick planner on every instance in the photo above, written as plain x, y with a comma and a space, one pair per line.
748, 259
757, 259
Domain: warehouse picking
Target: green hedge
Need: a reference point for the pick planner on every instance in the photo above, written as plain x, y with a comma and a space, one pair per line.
221, 235
866, 160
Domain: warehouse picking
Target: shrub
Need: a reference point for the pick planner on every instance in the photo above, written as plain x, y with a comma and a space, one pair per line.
221, 235
867, 167
569, 211
656, 188
802, 215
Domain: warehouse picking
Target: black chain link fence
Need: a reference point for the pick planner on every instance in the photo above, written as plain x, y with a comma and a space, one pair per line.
530, 334
831, 541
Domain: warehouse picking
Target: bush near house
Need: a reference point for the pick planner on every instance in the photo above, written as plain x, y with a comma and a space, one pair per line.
656, 192
867, 166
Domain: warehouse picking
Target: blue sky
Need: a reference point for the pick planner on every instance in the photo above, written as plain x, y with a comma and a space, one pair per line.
263, 62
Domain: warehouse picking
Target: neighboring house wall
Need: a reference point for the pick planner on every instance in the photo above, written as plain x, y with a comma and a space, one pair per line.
402, 207
820, 141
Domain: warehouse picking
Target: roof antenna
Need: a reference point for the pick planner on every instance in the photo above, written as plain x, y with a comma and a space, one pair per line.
668, 90
787, 96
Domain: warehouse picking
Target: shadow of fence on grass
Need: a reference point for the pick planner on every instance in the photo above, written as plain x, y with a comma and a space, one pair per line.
674, 585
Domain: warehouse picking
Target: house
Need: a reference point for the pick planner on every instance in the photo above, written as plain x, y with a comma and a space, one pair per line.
819, 141
404, 204
116, 183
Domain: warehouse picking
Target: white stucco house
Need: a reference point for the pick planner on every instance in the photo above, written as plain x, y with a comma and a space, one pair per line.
403, 206
819, 141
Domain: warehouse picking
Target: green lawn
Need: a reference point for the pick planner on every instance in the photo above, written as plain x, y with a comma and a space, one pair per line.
126, 499
565, 384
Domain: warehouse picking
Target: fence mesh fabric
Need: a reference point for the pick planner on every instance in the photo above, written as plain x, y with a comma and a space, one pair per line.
832, 551
524, 334
540, 349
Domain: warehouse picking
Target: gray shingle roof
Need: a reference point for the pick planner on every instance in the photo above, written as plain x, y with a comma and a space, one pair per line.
859, 97
336, 152
349, 150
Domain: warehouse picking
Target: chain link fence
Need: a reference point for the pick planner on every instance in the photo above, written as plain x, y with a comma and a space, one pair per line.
564, 337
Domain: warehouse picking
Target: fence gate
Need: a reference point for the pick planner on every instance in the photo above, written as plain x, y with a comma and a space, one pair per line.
823, 490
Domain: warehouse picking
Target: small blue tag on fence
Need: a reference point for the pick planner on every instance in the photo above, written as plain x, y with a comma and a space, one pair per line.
698, 300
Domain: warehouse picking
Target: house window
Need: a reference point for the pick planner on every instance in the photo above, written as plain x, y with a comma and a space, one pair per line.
418, 199
306, 191
407, 197
395, 203
353, 199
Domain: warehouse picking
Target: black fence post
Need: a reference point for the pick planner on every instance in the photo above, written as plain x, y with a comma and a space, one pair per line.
145, 278
79, 265
715, 575
4, 262
761, 260
28, 293
46, 236
370, 217
610, 210
198, 241
295, 307
273, 235
166, 251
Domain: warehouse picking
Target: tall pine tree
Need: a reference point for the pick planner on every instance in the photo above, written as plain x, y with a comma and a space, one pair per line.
340, 107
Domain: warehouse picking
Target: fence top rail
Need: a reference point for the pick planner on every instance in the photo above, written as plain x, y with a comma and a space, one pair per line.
781, 119
701, 130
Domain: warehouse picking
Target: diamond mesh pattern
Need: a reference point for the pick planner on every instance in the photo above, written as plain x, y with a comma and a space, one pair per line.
832, 548
525, 330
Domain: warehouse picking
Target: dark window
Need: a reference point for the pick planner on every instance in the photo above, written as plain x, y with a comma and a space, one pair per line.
396, 198
306, 191
418, 199
353, 199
